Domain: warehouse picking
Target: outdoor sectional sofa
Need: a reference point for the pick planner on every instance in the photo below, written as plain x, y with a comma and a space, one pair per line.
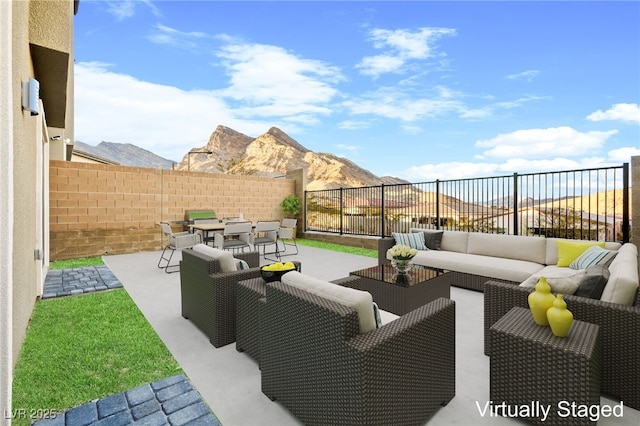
505, 266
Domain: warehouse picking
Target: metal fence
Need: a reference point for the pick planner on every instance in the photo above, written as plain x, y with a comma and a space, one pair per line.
587, 204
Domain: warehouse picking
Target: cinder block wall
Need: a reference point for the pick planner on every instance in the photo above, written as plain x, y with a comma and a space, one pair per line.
98, 209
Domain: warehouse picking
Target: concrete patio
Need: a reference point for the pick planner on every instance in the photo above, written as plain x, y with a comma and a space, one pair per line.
229, 381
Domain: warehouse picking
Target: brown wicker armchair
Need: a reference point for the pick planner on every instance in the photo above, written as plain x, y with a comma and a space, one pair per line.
619, 331
315, 362
209, 295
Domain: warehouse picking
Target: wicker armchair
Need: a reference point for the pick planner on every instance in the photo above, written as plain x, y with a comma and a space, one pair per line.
209, 295
619, 331
315, 362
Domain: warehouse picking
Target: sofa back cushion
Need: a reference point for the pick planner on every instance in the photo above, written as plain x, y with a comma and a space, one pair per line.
360, 301
432, 237
623, 277
454, 241
552, 249
517, 247
227, 264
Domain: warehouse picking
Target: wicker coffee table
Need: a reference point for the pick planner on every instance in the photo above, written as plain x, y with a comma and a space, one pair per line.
403, 293
530, 367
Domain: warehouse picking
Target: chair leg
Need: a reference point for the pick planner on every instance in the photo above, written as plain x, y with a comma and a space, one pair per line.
276, 252
285, 244
168, 260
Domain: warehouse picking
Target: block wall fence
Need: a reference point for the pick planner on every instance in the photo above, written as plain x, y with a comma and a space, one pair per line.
98, 209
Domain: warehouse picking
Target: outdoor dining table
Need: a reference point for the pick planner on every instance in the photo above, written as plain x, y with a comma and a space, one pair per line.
206, 228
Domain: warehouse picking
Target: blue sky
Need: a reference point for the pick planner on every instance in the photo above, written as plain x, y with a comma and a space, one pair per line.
421, 90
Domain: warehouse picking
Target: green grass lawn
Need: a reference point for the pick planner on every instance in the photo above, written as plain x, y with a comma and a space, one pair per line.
81, 348
76, 263
85, 347
338, 247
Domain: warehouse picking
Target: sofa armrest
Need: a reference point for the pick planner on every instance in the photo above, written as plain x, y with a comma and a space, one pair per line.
619, 331
384, 244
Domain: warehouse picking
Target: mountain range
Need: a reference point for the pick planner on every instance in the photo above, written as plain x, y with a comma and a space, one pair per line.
228, 151
273, 154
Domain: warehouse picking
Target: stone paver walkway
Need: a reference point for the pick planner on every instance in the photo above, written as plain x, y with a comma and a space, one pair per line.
171, 401
68, 282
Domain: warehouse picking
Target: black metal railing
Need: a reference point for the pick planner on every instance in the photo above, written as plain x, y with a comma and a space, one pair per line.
588, 204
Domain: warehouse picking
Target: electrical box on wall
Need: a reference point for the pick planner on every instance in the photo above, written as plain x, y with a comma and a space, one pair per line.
30, 96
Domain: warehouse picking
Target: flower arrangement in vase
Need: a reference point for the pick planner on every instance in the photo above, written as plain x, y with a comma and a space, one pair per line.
402, 257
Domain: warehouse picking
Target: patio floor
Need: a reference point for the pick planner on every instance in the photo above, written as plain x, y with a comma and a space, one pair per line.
229, 381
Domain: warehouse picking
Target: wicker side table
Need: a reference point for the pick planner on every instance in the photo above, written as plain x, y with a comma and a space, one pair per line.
531, 370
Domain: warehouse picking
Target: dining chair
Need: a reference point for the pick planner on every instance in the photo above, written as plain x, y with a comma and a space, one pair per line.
235, 236
175, 241
287, 232
266, 234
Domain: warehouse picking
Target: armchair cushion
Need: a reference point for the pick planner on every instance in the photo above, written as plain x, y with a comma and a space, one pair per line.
360, 301
593, 282
224, 257
559, 284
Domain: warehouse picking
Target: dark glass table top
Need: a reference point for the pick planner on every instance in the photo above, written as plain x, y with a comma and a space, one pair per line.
386, 273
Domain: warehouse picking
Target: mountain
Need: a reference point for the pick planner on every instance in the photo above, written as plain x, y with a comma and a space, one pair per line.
273, 154
124, 154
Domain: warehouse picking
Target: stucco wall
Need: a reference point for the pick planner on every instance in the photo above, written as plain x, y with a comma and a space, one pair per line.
25, 139
99, 209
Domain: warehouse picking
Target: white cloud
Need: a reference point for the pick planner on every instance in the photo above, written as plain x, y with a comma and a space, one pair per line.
542, 143
451, 170
353, 125
268, 81
528, 75
623, 154
173, 37
124, 9
400, 46
393, 103
624, 112
163, 119
353, 149
463, 170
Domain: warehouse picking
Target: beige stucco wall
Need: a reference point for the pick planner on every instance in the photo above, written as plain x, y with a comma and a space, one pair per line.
26, 26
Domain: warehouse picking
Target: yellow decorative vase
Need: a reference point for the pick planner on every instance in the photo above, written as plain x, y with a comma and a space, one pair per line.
559, 317
541, 300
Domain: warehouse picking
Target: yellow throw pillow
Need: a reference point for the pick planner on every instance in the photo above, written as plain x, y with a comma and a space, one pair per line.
568, 251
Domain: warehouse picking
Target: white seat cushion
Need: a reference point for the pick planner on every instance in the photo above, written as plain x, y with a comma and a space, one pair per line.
487, 266
225, 258
360, 301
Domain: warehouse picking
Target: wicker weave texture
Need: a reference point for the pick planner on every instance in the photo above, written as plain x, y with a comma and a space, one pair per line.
250, 300
619, 333
208, 296
529, 365
315, 362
